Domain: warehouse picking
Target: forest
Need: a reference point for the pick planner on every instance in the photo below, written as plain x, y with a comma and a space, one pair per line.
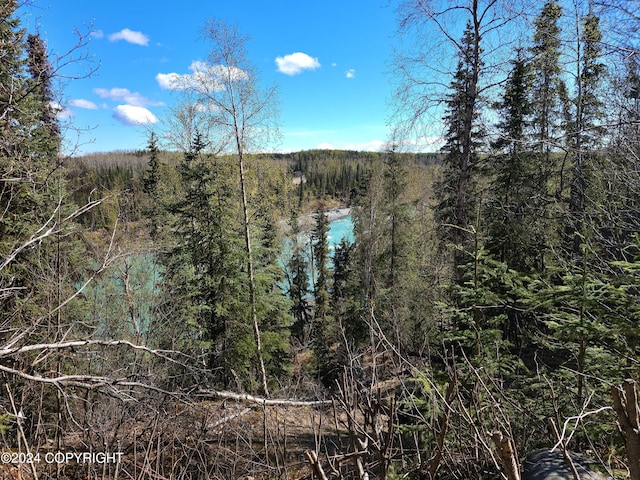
154, 326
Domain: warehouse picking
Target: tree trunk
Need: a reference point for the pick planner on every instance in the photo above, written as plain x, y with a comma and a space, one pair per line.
252, 285
625, 403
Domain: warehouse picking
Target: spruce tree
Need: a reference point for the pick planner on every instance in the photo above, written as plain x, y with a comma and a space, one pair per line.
322, 332
203, 269
151, 184
299, 286
31, 196
586, 129
41, 259
456, 189
346, 295
516, 232
397, 213
549, 92
41, 80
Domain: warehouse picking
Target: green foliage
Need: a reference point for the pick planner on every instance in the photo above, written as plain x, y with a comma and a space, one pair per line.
346, 297
323, 332
205, 280
456, 189
515, 211
299, 290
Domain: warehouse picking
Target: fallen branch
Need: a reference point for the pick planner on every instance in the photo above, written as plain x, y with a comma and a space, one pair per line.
228, 418
164, 354
561, 438
245, 398
564, 451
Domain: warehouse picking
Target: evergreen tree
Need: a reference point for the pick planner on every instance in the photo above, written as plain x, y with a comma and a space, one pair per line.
586, 130
549, 93
41, 80
516, 231
322, 333
203, 270
396, 211
456, 189
31, 197
151, 183
41, 259
346, 296
299, 286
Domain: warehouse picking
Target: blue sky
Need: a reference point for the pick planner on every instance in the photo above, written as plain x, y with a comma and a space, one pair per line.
330, 60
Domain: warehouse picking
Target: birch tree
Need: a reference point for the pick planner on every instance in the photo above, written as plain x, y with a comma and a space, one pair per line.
241, 117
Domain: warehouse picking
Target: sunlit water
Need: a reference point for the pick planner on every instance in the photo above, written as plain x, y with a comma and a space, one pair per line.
339, 229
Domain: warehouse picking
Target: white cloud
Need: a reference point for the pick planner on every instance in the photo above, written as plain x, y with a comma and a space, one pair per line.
133, 115
61, 112
97, 34
82, 103
296, 63
205, 78
169, 81
351, 73
126, 96
137, 38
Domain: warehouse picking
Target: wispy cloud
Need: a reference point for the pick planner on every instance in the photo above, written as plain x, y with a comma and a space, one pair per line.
351, 73
137, 38
82, 103
296, 63
133, 115
204, 78
126, 96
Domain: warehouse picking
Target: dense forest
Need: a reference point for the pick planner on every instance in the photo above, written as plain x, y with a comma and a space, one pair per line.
488, 306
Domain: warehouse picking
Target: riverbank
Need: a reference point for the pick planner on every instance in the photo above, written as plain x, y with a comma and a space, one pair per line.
337, 213
307, 221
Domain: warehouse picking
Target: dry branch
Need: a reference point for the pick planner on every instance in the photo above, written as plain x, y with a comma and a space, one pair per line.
312, 457
443, 423
245, 398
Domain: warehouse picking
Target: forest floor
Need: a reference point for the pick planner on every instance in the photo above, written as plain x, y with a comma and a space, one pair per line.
225, 439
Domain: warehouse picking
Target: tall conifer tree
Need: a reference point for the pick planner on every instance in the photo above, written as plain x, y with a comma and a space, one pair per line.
456, 189
550, 97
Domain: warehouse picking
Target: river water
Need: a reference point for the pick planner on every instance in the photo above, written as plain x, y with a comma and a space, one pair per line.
143, 276
339, 229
